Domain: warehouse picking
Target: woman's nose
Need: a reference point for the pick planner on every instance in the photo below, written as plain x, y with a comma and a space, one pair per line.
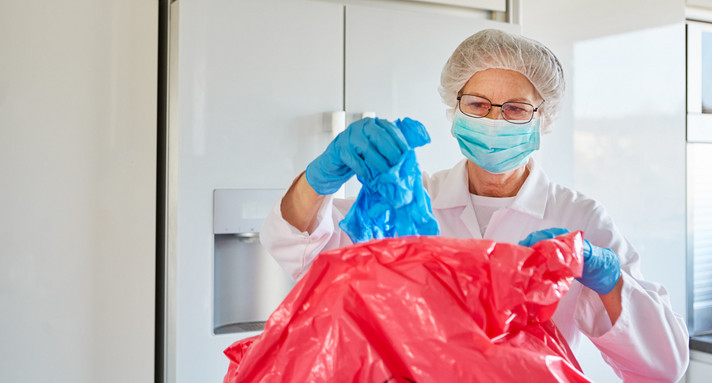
495, 113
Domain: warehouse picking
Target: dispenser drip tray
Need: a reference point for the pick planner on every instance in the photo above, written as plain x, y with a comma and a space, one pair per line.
249, 284
239, 327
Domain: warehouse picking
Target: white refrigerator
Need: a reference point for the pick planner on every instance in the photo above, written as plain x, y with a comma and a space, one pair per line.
253, 87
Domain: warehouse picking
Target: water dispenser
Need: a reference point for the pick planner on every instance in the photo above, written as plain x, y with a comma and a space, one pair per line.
248, 282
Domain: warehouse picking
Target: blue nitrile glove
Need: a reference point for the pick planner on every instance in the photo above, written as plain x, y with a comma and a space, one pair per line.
367, 148
541, 235
394, 202
601, 267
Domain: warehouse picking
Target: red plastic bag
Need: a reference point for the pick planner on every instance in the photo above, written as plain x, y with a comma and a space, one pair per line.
420, 309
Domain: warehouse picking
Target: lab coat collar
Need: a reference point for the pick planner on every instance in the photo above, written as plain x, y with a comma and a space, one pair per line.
454, 191
531, 198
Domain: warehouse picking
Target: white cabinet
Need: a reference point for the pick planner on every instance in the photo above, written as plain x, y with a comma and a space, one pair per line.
255, 78
257, 83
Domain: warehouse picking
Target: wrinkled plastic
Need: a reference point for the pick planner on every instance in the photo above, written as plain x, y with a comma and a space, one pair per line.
420, 309
601, 266
394, 201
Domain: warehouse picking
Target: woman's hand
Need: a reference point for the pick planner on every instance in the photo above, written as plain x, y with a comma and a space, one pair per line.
601, 267
601, 270
366, 148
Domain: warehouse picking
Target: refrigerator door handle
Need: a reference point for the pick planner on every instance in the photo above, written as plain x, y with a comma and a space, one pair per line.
338, 122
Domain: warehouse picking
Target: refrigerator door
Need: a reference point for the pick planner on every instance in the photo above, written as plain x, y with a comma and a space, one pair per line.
257, 82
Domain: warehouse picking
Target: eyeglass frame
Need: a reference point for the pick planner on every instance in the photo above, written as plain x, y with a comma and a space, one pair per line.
501, 112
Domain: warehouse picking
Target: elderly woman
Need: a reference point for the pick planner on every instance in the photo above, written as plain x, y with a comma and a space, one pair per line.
503, 90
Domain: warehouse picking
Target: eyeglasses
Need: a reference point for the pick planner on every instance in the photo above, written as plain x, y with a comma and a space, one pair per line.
514, 112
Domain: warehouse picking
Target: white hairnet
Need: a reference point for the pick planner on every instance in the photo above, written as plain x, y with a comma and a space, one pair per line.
493, 48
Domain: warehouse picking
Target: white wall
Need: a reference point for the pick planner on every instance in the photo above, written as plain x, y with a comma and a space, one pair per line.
77, 190
621, 138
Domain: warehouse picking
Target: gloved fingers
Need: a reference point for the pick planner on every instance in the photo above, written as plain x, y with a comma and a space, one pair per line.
324, 182
359, 165
557, 231
601, 269
395, 132
360, 154
372, 146
541, 235
369, 147
587, 250
326, 173
414, 132
387, 139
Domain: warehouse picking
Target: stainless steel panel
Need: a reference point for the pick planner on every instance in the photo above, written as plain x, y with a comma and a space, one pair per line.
249, 284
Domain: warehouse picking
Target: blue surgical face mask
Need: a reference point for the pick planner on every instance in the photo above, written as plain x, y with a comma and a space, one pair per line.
497, 146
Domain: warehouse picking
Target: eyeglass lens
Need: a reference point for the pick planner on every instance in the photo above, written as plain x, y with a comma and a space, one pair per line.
475, 106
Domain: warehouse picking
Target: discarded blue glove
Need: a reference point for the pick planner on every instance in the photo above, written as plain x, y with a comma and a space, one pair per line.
367, 147
601, 266
394, 202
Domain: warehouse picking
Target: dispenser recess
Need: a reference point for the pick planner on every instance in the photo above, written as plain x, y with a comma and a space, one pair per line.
248, 282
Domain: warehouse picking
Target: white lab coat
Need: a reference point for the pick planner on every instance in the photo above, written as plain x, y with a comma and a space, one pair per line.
649, 342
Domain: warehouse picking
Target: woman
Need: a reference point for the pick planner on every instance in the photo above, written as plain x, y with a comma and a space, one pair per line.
502, 90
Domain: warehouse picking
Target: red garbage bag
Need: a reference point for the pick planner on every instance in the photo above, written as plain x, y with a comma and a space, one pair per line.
420, 309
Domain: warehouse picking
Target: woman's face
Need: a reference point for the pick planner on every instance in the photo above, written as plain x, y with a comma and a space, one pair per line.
500, 86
